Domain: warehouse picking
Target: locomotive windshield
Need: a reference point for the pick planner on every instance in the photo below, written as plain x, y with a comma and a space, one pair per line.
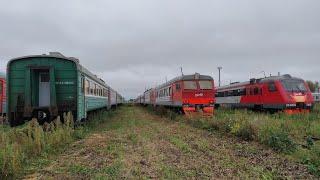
294, 85
205, 84
190, 85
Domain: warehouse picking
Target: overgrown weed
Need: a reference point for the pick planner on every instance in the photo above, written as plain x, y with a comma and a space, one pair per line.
288, 134
20, 145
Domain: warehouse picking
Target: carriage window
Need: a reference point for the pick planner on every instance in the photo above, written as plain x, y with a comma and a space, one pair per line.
178, 86
44, 77
242, 92
170, 91
105, 93
1, 87
256, 91
251, 91
220, 94
272, 87
87, 86
205, 84
82, 85
235, 93
91, 88
190, 85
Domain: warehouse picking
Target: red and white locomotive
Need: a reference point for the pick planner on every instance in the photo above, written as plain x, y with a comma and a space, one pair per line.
189, 93
276, 93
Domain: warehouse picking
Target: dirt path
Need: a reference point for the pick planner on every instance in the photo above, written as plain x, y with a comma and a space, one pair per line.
136, 145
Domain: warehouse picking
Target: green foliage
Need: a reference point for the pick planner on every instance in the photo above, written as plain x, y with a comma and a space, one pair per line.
113, 170
19, 145
313, 85
242, 127
283, 133
314, 160
29, 141
179, 143
81, 170
278, 139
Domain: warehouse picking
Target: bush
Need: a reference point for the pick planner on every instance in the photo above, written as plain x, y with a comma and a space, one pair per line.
278, 139
246, 131
314, 161
18, 144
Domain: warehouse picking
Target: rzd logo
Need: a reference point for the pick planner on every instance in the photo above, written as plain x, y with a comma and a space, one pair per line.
198, 95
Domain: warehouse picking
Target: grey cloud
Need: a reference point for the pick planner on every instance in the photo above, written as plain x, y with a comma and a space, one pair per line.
137, 44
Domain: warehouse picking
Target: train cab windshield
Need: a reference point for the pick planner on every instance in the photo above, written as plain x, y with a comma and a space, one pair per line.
194, 85
190, 85
205, 84
294, 85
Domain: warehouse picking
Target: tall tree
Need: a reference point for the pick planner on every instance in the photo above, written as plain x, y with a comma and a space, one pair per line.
312, 86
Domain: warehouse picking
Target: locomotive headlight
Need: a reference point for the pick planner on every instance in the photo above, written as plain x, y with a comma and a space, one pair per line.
308, 104
291, 105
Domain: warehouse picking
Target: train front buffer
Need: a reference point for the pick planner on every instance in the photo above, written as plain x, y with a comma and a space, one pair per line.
299, 103
202, 107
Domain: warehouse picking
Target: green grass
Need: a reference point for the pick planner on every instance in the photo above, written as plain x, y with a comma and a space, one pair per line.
291, 135
180, 144
20, 145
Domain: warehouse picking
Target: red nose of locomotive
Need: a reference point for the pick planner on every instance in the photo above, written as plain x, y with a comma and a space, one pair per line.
198, 101
299, 102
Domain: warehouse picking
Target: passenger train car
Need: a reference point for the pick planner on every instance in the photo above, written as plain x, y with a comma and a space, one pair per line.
3, 98
190, 93
284, 93
45, 86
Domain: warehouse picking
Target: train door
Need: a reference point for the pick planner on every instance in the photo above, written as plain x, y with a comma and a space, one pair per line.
109, 97
44, 89
83, 97
259, 96
171, 93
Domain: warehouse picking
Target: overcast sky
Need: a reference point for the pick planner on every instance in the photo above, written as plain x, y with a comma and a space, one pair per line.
136, 44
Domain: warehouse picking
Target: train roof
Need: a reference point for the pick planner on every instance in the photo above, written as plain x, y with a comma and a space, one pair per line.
261, 80
61, 56
283, 77
195, 76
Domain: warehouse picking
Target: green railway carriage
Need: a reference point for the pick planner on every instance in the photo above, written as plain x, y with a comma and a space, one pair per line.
45, 86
